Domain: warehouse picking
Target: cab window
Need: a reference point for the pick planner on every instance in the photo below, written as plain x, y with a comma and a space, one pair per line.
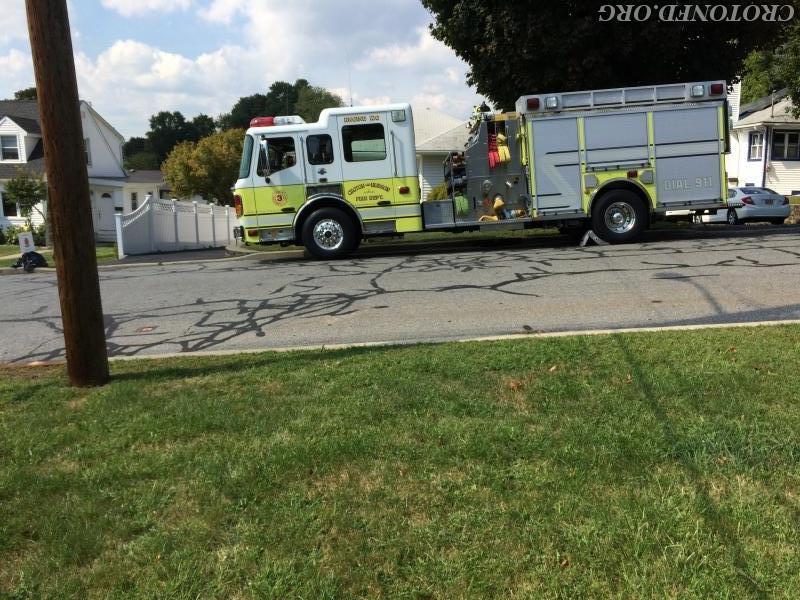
247, 158
320, 149
282, 155
363, 142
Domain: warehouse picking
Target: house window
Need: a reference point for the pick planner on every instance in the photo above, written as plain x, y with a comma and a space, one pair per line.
756, 146
363, 142
134, 201
88, 150
786, 145
9, 209
8, 147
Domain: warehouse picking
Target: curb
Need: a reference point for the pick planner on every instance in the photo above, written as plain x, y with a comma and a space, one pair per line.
444, 340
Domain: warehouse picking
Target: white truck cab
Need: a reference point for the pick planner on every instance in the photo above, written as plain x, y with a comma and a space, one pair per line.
298, 180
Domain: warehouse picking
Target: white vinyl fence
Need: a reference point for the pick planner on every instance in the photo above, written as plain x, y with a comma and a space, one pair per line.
171, 226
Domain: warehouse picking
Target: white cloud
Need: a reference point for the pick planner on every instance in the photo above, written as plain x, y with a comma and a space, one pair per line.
17, 70
132, 8
386, 52
222, 11
13, 23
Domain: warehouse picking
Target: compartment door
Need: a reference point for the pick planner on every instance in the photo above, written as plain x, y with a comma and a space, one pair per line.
556, 163
689, 145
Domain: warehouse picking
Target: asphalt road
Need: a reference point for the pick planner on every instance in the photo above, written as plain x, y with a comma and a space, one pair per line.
499, 287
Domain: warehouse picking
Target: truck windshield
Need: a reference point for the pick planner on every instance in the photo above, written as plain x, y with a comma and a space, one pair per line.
247, 157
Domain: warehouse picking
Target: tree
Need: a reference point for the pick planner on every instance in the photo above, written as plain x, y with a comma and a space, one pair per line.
202, 126
26, 94
166, 130
243, 111
29, 191
207, 167
766, 71
312, 100
514, 48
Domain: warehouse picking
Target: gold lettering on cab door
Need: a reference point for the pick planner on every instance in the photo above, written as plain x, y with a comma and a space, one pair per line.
367, 192
361, 118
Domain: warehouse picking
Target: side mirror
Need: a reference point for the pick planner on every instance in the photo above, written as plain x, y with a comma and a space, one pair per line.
264, 157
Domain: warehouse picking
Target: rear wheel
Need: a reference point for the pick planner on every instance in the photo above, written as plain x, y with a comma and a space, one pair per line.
619, 216
330, 233
733, 218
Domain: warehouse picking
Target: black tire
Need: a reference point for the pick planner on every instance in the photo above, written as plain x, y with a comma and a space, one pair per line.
619, 203
330, 233
732, 218
777, 221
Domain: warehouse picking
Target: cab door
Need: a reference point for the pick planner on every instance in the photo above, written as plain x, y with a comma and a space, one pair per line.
367, 164
323, 158
279, 185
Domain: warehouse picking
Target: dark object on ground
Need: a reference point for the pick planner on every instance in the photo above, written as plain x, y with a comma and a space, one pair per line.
30, 261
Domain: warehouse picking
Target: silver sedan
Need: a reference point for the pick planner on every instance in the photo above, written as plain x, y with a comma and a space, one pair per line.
757, 204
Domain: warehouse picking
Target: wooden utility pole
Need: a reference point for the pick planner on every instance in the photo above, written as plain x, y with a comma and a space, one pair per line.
68, 182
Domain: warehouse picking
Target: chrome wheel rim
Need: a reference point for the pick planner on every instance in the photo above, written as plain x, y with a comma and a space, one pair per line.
620, 217
731, 217
329, 234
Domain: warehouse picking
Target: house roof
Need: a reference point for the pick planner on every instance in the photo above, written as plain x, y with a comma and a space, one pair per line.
29, 125
430, 123
145, 176
35, 164
780, 114
27, 109
453, 139
762, 103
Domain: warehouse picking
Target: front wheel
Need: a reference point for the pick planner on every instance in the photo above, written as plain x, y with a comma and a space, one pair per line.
619, 216
330, 233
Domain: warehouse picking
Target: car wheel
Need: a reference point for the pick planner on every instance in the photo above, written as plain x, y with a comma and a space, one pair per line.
733, 218
330, 233
619, 216
777, 221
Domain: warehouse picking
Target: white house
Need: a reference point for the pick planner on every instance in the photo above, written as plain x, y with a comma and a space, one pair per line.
765, 143
436, 135
143, 183
21, 148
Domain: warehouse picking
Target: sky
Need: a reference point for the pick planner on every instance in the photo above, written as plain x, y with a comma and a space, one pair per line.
136, 57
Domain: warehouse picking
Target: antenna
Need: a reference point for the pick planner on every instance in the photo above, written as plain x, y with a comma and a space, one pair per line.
349, 77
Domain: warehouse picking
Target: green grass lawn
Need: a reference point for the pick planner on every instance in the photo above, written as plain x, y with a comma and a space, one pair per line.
105, 254
643, 465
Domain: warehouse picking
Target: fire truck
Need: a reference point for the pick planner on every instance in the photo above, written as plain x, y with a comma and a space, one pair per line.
611, 160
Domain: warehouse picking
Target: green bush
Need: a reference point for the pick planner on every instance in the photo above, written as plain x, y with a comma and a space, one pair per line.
11, 233
9, 236
39, 235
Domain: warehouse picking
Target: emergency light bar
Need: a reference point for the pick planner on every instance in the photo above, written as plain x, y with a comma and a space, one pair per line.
272, 121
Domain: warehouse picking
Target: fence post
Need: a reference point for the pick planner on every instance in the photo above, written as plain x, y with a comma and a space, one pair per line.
151, 224
213, 228
228, 225
175, 221
120, 248
196, 224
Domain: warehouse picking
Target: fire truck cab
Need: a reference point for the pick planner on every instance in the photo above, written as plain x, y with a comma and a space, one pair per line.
327, 185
